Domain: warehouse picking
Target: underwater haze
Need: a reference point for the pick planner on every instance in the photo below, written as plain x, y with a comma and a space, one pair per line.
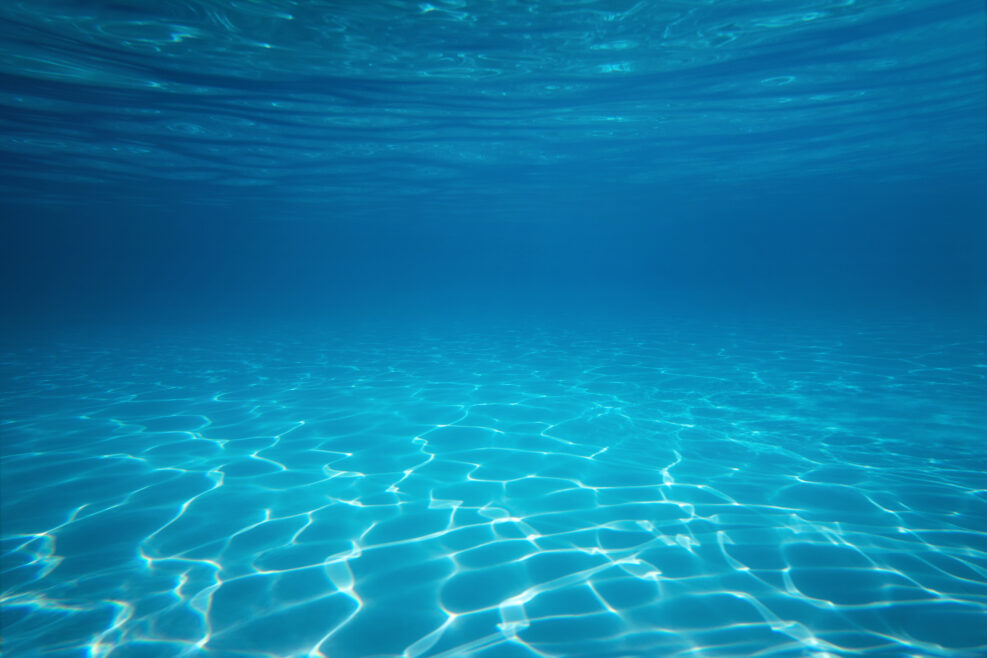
475, 328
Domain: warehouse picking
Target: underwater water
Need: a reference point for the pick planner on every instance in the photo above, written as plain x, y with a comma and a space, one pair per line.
583, 328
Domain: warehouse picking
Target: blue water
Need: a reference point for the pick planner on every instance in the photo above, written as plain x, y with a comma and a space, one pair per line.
464, 328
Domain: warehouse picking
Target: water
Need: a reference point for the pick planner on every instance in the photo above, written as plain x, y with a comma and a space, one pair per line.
466, 328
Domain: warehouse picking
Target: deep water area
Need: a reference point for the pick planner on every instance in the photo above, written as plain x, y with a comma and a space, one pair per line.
576, 329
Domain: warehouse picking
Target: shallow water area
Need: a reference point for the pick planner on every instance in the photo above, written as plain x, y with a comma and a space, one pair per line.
667, 488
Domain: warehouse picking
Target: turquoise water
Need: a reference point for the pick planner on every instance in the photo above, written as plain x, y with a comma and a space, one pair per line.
672, 489
569, 328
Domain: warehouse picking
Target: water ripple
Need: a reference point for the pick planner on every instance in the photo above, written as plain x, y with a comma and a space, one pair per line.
669, 491
376, 97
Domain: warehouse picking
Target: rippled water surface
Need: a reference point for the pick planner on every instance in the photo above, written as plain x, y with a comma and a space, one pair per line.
674, 489
516, 103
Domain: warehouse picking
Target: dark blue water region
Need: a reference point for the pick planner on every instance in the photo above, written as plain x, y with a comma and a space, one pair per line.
678, 487
820, 248
459, 105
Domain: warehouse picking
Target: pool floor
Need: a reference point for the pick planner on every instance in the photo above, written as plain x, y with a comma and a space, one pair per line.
669, 489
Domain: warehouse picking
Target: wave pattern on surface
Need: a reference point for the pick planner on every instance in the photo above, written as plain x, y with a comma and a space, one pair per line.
668, 492
453, 100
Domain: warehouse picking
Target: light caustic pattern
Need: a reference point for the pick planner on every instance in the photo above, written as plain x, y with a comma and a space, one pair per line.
597, 493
